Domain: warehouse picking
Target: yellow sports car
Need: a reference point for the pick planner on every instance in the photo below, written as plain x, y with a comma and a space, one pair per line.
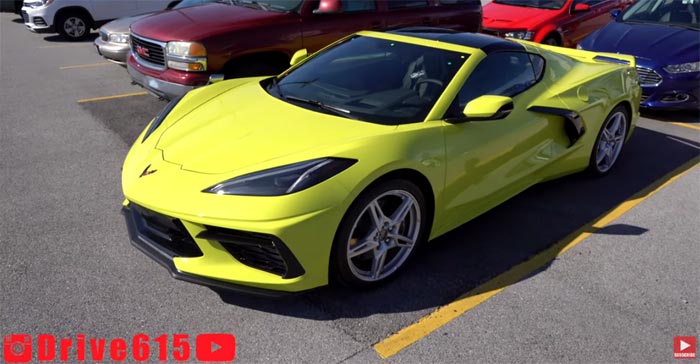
339, 167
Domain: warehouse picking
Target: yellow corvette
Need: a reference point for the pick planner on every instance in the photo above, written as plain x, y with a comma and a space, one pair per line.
339, 167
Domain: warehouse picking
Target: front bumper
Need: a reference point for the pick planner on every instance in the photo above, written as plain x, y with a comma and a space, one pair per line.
115, 52
673, 92
158, 87
37, 19
160, 82
166, 258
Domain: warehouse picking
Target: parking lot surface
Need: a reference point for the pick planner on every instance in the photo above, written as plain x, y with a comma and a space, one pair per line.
575, 270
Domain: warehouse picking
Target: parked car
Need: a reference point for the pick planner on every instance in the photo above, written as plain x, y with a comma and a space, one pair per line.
554, 22
339, 167
176, 51
73, 19
664, 36
113, 42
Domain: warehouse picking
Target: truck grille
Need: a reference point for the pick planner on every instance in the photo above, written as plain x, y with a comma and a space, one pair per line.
648, 77
148, 50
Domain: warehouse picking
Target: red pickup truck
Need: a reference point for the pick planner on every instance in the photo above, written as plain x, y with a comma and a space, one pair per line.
175, 51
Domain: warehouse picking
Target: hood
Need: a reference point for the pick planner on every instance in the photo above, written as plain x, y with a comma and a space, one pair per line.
500, 16
122, 25
245, 126
200, 22
660, 43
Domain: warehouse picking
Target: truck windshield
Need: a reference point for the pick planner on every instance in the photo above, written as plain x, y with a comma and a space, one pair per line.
371, 79
270, 5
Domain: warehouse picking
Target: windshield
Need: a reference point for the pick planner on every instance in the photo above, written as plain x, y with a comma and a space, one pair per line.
681, 13
270, 5
540, 4
371, 79
188, 3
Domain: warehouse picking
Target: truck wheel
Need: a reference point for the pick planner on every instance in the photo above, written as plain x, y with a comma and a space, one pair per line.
73, 26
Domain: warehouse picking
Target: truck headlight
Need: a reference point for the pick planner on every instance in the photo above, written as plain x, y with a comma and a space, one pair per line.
186, 56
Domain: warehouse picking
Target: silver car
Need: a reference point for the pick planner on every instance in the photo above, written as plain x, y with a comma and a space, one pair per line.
113, 42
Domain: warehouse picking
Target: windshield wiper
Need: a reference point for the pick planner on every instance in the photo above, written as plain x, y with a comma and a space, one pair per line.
334, 109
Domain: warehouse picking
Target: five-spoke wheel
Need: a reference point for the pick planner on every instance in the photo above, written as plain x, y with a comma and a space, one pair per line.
379, 233
610, 141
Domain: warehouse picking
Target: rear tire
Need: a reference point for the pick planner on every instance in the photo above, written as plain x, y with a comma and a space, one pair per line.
610, 141
73, 26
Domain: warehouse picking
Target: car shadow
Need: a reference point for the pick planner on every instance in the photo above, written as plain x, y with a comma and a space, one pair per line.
682, 116
55, 38
486, 247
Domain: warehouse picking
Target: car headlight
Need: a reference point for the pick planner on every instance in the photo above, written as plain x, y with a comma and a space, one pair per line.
683, 67
283, 180
187, 56
160, 117
119, 37
521, 34
38, 4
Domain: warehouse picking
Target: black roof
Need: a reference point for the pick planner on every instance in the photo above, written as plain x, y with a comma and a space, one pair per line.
487, 43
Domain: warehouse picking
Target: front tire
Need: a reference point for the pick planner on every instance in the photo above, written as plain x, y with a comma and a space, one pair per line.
379, 233
610, 141
73, 26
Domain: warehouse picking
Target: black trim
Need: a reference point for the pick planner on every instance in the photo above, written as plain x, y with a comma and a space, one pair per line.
487, 43
164, 258
502, 112
229, 238
573, 126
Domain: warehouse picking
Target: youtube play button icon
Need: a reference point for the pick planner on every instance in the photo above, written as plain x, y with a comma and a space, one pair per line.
216, 347
684, 347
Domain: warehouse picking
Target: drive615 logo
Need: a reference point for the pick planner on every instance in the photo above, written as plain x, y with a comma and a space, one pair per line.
20, 348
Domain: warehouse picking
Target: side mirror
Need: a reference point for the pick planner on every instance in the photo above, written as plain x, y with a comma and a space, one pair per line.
615, 13
298, 56
581, 8
329, 7
216, 77
487, 107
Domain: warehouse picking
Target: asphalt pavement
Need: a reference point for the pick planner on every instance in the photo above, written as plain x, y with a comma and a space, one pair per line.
619, 295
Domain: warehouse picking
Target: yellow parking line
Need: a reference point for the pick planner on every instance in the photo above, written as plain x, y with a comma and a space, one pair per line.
140, 93
84, 66
690, 126
426, 325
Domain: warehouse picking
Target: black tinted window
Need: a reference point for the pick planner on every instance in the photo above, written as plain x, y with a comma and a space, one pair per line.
502, 74
350, 6
398, 4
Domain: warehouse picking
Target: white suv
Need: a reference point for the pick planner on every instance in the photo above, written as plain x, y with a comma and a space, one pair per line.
73, 19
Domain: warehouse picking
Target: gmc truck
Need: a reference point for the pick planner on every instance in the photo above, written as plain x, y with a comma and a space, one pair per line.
175, 51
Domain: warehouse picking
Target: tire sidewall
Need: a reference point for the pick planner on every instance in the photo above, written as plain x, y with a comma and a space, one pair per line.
61, 21
339, 269
593, 166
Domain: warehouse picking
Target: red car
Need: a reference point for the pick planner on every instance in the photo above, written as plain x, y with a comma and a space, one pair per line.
556, 22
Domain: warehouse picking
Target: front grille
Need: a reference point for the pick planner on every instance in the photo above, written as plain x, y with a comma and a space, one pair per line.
648, 77
166, 231
644, 97
25, 17
39, 21
260, 251
147, 50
